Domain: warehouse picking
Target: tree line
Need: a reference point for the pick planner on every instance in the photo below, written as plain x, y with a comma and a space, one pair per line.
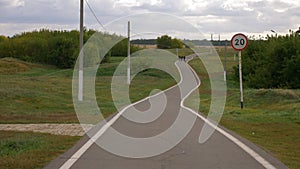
167, 42
59, 48
203, 42
162, 42
272, 63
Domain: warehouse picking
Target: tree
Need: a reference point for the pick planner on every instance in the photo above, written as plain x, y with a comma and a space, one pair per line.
62, 53
176, 43
166, 42
272, 63
120, 49
59, 48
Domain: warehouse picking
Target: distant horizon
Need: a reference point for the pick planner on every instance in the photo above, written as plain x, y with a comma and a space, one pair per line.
207, 37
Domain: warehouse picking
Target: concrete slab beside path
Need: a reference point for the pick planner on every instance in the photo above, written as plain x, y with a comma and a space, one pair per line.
56, 129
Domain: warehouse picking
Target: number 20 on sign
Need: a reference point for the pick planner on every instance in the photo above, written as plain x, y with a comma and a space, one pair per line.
239, 42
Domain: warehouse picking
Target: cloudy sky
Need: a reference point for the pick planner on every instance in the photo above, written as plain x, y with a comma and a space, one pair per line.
225, 17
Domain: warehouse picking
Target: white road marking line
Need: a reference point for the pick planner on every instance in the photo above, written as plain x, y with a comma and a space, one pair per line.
68, 164
243, 146
88, 144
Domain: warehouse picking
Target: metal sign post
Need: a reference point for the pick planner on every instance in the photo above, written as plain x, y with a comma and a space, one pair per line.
241, 79
239, 42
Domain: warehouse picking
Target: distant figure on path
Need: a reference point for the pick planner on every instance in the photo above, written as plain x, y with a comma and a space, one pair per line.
181, 58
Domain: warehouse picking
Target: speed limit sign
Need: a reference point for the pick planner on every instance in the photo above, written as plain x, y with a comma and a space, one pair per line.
239, 42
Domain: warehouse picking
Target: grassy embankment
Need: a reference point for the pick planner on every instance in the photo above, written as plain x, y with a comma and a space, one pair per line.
33, 93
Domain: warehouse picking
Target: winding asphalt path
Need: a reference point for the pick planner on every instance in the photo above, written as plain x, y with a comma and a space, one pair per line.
224, 150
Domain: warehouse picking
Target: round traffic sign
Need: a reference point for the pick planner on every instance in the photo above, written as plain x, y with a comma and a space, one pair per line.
239, 41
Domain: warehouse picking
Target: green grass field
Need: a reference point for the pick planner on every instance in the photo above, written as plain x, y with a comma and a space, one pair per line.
32, 93
35, 94
26, 150
270, 119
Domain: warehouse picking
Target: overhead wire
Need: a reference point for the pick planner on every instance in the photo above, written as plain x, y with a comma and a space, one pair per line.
99, 22
134, 33
91, 9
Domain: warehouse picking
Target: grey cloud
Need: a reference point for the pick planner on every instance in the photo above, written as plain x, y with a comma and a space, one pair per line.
66, 12
41, 11
11, 3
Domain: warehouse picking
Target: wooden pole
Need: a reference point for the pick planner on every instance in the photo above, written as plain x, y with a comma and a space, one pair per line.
80, 79
225, 53
128, 54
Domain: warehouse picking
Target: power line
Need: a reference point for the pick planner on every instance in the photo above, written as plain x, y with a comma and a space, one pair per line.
135, 34
94, 14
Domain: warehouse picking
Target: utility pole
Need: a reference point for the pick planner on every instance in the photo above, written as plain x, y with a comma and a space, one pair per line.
212, 43
219, 48
128, 55
225, 60
80, 79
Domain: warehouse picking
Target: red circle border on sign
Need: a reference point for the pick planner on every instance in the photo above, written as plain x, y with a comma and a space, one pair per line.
239, 34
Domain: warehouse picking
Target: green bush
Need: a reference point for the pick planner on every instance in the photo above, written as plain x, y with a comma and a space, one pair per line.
272, 63
59, 48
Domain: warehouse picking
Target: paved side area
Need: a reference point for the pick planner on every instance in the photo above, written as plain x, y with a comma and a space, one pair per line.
56, 129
